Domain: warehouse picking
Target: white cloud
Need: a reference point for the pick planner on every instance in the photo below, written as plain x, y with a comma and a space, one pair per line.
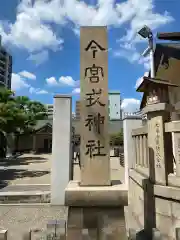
27, 75
131, 55
29, 31
139, 80
76, 31
139, 13
130, 105
37, 15
39, 58
51, 81
68, 80
63, 81
17, 82
42, 91
33, 28
136, 14
76, 91
33, 90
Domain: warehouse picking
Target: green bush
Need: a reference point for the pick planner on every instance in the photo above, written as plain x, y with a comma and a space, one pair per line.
116, 139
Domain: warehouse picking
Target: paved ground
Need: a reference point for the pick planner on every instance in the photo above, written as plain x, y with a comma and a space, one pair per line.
28, 169
20, 219
31, 170
36, 169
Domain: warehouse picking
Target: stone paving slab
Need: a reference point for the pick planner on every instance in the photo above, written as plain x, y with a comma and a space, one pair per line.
44, 176
24, 187
24, 193
21, 219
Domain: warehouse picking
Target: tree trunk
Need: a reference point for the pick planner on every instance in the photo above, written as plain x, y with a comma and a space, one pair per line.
16, 144
2, 145
10, 144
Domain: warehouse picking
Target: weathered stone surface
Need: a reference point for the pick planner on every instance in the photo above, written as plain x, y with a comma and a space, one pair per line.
132, 234
163, 207
3, 234
23, 197
175, 209
75, 217
26, 235
157, 156
164, 224
76, 195
177, 233
156, 234
74, 233
114, 220
167, 192
98, 222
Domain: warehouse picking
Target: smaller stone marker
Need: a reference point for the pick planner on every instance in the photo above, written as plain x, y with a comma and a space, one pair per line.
132, 234
177, 233
61, 148
156, 234
3, 234
94, 150
27, 235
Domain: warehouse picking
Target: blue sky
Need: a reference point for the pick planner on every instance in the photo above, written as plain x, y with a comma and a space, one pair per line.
43, 38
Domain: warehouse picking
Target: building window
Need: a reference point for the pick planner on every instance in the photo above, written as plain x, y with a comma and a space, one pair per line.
117, 113
115, 105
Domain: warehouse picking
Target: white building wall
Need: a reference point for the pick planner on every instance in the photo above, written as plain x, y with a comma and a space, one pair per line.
114, 105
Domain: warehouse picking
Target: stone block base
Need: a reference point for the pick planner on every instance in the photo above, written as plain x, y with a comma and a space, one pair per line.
82, 196
96, 223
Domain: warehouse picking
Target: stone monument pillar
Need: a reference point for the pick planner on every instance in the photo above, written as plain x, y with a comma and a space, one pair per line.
96, 205
95, 163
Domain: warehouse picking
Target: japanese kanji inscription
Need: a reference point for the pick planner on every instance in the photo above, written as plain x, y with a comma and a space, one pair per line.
94, 47
94, 148
95, 73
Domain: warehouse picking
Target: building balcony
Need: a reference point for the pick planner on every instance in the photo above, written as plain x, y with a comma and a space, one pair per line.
2, 81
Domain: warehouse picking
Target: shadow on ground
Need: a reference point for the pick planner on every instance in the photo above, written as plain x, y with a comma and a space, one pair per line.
23, 161
116, 182
11, 174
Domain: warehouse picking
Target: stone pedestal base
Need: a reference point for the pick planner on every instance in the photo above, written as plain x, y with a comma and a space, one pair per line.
95, 223
99, 196
96, 213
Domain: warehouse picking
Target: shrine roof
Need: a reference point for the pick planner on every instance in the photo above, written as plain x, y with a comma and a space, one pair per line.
172, 36
143, 87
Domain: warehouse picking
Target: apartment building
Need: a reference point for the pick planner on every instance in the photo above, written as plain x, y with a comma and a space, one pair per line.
114, 105
5, 67
77, 110
115, 111
49, 110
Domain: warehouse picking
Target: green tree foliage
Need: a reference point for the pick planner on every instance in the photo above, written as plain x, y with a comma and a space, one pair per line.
116, 139
31, 111
18, 114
